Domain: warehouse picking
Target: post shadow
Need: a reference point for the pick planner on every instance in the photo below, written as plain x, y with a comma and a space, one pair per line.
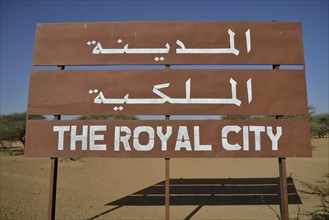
210, 192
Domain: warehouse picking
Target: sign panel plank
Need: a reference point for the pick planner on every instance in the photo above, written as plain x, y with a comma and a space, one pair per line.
144, 139
168, 92
168, 43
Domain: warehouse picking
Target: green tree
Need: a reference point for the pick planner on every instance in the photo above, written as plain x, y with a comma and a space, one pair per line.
12, 127
228, 117
94, 117
107, 117
311, 110
319, 125
124, 117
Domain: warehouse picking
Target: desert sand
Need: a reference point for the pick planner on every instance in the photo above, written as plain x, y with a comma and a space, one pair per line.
98, 188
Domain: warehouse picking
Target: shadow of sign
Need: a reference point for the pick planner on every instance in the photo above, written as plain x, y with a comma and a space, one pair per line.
211, 192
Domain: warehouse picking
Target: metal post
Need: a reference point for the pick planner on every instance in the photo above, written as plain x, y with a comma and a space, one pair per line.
53, 183
167, 178
53, 187
284, 209
53, 177
167, 192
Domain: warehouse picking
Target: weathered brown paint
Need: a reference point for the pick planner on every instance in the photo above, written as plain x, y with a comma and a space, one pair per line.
41, 140
66, 92
66, 43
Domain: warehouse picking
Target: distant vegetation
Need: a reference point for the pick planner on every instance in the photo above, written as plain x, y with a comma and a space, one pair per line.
319, 123
12, 126
107, 117
321, 189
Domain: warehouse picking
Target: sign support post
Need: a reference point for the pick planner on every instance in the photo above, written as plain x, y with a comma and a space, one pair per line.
53, 178
283, 189
53, 183
284, 210
53, 186
167, 192
167, 178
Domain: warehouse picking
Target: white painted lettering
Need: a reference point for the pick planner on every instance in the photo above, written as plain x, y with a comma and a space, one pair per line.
137, 145
61, 130
93, 137
124, 139
75, 137
197, 145
274, 138
183, 140
225, 131
245, 138
164, 137
257, 130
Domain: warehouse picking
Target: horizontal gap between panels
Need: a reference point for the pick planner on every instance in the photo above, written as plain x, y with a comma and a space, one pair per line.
163, 117
156, 67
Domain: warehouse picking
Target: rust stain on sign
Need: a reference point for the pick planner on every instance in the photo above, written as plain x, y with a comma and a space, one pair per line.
164, 139
168, 43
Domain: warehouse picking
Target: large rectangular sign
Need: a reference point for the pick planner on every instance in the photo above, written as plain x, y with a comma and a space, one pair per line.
138, 139
168, 43
168, 92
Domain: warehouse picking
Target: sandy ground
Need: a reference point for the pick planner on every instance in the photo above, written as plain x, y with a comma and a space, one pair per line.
93, 188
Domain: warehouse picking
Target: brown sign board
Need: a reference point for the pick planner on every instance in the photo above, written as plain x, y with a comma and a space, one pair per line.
104, 43
169, 138
168, 92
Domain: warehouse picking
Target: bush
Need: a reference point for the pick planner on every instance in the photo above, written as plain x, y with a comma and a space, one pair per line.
319, 125
12, 128
106, 117
321, 189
